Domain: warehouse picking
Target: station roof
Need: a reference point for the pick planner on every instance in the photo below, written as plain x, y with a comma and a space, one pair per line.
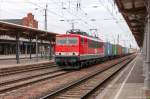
134, 12
11, 29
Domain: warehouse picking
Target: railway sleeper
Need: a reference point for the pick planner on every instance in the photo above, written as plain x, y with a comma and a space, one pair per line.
85, 87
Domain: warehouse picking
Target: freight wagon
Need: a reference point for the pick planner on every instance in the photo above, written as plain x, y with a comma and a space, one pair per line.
108, 47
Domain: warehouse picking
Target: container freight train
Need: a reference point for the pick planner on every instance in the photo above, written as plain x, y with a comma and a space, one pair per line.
76, 50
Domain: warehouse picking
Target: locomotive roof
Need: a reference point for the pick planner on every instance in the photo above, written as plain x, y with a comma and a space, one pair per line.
91, 38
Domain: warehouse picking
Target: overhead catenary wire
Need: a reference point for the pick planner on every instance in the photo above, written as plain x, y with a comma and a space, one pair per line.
50, 11
85, 22
69, 13
38, 7
109, 11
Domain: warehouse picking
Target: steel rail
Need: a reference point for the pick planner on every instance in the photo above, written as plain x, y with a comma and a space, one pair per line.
74, 83
31, 80
15, 70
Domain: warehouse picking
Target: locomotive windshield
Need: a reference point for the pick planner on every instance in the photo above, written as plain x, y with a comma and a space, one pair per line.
66, 40
61, 41
72, 40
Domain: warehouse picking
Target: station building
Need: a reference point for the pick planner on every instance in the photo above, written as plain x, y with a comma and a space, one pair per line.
8, 44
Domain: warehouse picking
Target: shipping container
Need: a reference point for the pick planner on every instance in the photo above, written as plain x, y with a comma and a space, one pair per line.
108, 49
119, 49
114, 50
123, 50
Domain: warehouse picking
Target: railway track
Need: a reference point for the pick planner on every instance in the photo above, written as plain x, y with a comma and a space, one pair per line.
46, 75
10, 85
81, 88
17, 77
21, 69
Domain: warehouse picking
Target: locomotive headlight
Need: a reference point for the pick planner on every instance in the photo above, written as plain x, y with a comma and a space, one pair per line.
73, 54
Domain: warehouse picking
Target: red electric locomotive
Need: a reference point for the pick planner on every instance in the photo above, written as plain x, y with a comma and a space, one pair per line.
76, 50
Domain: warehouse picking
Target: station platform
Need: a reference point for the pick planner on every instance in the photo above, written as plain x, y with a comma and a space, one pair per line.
10, 61
128, 84
13, 56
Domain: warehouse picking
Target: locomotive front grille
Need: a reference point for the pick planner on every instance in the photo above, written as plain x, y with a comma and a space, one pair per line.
66, 59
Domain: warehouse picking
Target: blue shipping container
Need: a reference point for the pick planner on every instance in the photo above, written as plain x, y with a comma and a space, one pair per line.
108, 49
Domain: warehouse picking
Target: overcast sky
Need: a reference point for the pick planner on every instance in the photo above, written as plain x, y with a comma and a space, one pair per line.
91, 14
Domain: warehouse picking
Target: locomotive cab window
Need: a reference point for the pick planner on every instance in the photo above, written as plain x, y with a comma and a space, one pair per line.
72, 40
61, 40
66, 40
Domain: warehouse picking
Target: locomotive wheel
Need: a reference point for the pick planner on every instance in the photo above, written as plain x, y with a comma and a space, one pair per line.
92, 62
81, 65
84, 64
60, 64
77, 65
87, 63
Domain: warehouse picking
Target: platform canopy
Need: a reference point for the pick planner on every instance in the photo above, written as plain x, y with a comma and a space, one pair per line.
134, 12
11, 29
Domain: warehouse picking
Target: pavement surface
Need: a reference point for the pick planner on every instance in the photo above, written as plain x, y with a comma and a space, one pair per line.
13, 56
129, 83
10, 61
